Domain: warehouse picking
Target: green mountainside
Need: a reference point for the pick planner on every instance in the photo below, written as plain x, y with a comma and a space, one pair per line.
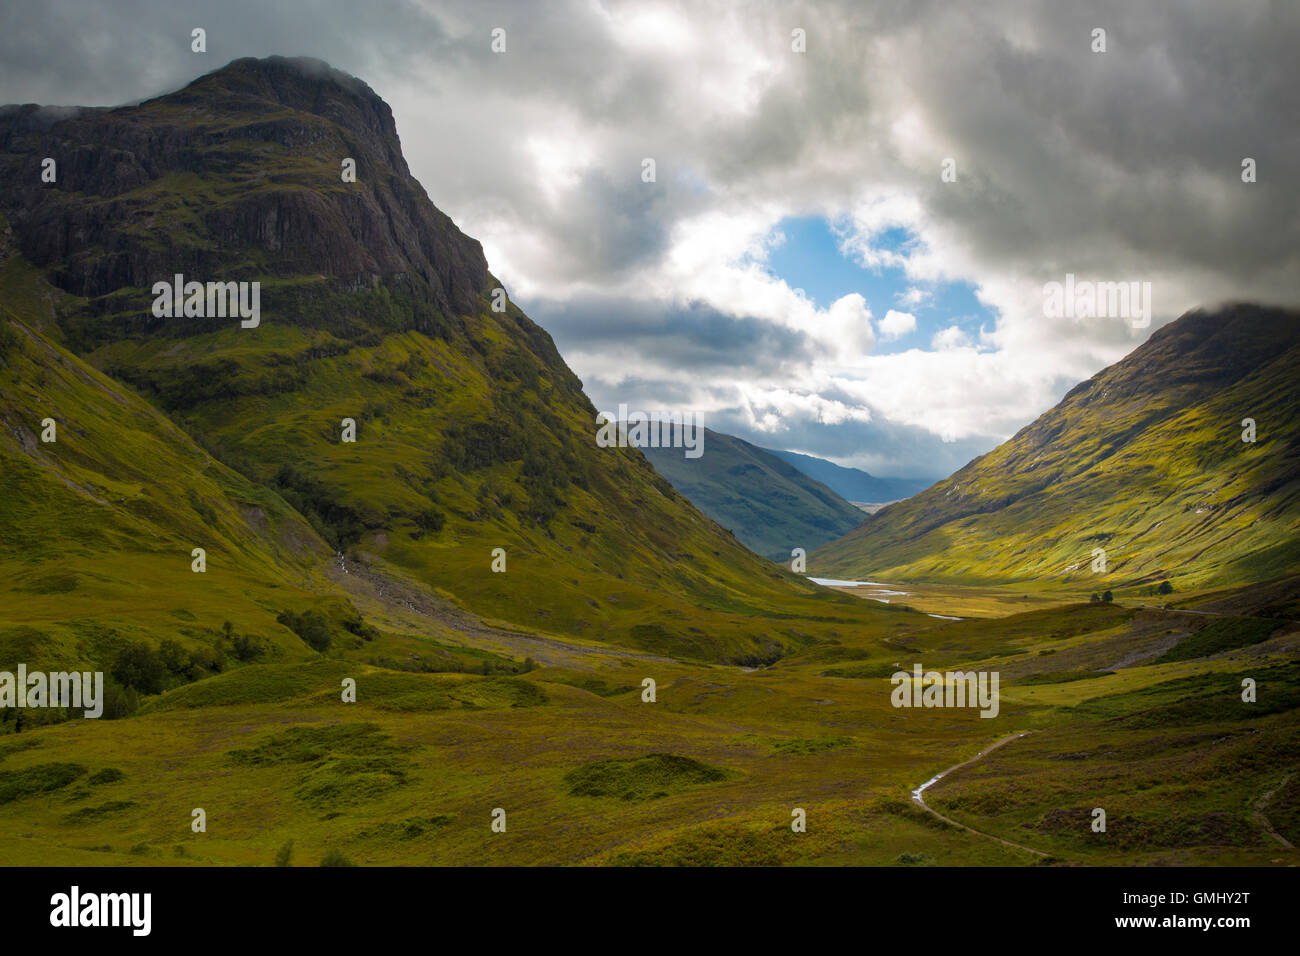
769, 505
349, 681
1145, 460
471, 433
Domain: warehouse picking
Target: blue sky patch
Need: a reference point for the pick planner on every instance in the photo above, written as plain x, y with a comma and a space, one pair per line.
810, 259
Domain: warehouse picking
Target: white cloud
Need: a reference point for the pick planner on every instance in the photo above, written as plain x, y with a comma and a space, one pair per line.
950, 338
914, 296
848, 325
897, 324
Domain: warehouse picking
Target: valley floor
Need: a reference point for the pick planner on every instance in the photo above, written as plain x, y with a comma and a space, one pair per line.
1098, 710
958, 600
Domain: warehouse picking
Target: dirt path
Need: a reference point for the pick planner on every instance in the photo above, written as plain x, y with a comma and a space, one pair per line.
918, 795
1263, 821
409, 601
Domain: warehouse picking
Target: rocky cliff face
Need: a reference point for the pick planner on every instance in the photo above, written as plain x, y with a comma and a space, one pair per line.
472, 436
237, 176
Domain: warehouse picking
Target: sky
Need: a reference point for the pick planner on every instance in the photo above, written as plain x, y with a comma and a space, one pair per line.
844, 248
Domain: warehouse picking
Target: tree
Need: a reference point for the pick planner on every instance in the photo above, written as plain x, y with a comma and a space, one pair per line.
246, 648
1165, 588
1096, 598
311, 626
1108, 597
140, 666
119, 702
176, 659
430, 519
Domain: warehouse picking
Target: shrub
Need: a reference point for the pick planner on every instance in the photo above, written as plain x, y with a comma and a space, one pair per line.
140, 667
250, 648
311, 626
175, 659
335, 858
119, 701
40, 778
640, 778
431, 520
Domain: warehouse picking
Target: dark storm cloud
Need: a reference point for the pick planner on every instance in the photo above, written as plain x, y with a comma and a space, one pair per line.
1117, 165
1059, 143
88, 53
694, 338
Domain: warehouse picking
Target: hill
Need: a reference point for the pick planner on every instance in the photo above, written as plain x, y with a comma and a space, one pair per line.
1146, 461
471, 434
768, 504
852, 484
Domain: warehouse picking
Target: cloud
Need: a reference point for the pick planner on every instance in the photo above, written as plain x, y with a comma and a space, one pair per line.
950, 338
1115, 166
896, 324
914, 296
848, 326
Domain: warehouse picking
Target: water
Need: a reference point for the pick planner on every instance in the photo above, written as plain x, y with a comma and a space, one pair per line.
916, 794
833, 583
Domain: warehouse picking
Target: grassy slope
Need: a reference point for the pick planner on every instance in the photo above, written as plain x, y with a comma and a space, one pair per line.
768, 504
472, 434
1144, 460
98, 526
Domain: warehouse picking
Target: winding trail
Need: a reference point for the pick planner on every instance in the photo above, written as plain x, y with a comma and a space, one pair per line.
918, 795
1263, 821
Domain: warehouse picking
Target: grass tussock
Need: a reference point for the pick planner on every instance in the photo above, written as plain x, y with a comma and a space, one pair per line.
641, 778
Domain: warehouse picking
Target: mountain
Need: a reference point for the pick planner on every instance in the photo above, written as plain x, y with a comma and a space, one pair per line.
102, 501
1145, 460
471, 434
852, 484
345, 678
769, 505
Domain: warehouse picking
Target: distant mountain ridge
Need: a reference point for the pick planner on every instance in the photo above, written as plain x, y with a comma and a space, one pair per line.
852, 484
770, 506
1144, 465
